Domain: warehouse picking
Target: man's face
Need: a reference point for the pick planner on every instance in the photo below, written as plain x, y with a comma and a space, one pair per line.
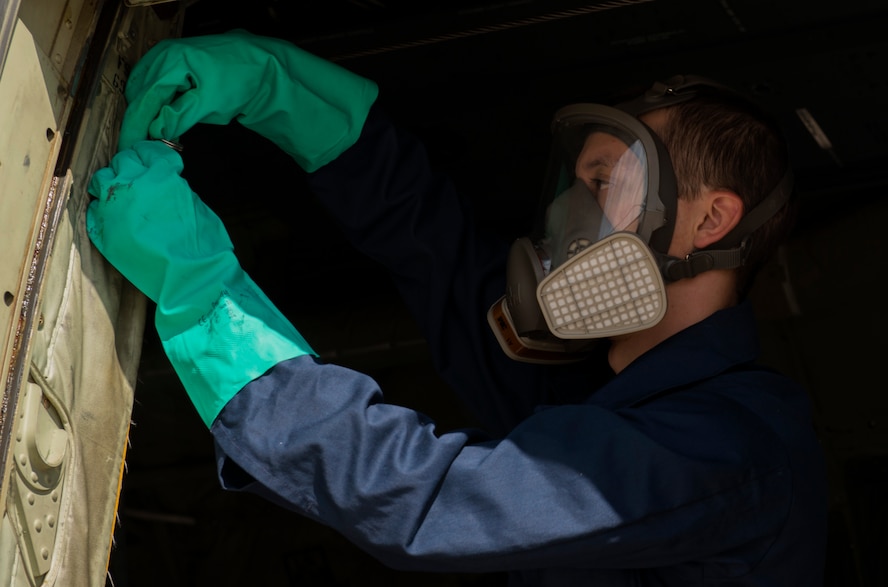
614, 174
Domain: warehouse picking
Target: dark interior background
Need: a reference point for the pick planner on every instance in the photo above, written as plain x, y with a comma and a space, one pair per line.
478, 80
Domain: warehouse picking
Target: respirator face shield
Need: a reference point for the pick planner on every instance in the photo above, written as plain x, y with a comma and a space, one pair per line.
588, 271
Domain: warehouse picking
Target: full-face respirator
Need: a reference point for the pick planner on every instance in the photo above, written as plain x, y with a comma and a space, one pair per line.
597, 265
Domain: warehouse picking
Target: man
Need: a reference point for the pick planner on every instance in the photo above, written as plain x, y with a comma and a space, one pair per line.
691, 466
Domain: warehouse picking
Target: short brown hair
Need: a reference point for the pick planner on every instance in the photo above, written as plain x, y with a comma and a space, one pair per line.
718, 140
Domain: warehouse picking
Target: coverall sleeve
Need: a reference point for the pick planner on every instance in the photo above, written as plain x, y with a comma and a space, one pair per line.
394, 208
556, 492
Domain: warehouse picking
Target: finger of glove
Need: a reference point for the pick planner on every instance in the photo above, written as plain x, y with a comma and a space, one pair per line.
148, 166
181, 82
164, 91
143, 184
154, 155
189, 109
133, 257
95, 224
103, 187
148, 223
130, 164
145, 107
154, 81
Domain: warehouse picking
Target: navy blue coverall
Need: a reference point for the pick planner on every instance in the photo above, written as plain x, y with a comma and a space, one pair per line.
691, 467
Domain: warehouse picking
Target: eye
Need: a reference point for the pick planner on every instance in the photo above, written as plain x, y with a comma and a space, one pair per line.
598, 184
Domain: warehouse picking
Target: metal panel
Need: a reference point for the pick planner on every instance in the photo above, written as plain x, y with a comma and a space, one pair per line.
25, 157
70, 325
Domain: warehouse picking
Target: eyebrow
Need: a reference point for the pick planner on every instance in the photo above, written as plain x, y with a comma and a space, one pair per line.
599, 161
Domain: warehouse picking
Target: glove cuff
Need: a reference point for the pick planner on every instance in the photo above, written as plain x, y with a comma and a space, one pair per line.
241, 337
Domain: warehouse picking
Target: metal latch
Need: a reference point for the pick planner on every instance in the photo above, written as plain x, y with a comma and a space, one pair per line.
40, 452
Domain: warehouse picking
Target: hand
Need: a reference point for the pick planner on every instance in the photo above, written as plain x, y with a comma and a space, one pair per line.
154, 229
311, 108
217, 327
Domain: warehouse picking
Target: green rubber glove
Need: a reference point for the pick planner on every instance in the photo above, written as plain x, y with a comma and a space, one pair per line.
311, 108
217, 327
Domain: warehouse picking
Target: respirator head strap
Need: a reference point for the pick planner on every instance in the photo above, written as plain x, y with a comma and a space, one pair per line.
731, 251
760, 214
699, 262
675, 90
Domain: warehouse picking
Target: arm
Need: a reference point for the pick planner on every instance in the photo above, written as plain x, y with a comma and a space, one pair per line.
217, 327
317, 439
381, 189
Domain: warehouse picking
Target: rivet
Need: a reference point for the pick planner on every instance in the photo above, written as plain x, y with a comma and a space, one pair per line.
55, 495
44, 553
31, 499
38, 525
8, 298
34, 477
50, 519
57, 58
23, 460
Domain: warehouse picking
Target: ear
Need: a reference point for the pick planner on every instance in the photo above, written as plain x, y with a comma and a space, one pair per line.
721, 210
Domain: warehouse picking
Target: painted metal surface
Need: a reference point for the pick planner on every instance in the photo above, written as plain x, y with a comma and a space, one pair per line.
70, 325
